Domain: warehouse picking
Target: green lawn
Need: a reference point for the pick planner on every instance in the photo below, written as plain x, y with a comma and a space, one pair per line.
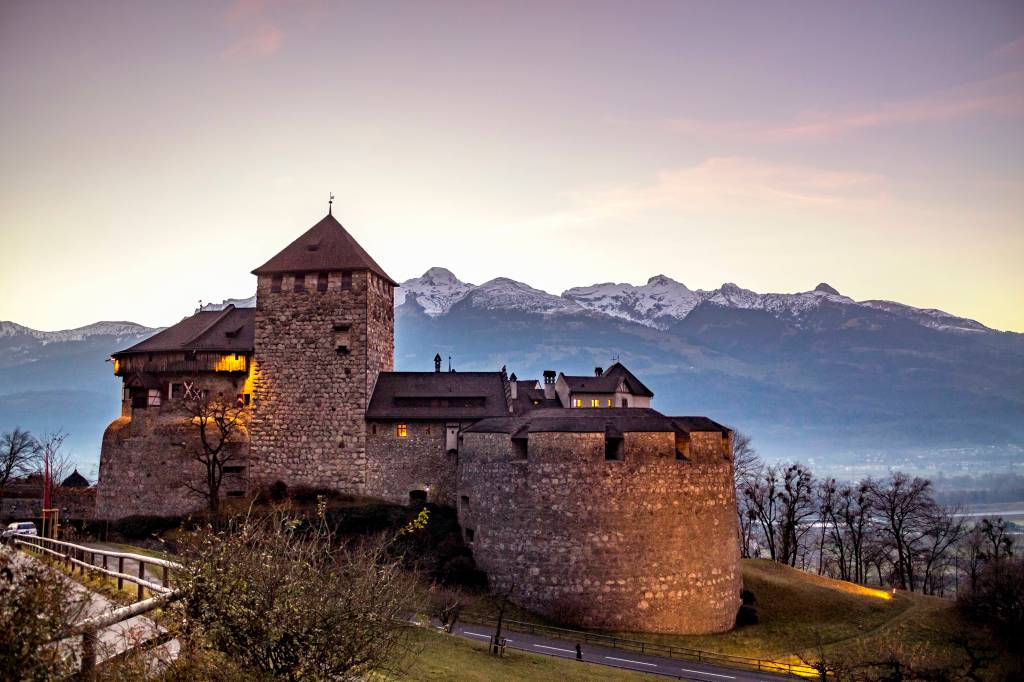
445, 658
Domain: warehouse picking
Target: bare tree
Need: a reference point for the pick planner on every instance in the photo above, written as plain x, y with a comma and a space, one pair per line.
761, 498
220, 423
18, 450
796, 508
996, 536
746, 466
943, 530
51, 455
906, 507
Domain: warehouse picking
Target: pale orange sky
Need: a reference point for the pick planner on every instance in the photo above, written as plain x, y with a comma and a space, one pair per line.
153, 154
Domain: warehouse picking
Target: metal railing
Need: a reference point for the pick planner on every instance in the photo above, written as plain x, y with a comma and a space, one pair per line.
657, 649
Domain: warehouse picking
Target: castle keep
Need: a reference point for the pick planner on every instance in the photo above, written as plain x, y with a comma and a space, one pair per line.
576, 497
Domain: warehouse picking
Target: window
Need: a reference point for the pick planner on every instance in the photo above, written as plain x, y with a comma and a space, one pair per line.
465, 501
177, 392
682, 446
346, 279
609, 402
520, 449
275, 284
402, 430
246, 399
595, 402
577, 402
236, 493
373, 429
234, 469
625, 402
428, 429
300, 283
341, 337
469, 535
321, 282
613, 449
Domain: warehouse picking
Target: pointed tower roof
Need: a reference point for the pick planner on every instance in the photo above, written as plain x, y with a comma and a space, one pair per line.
325, 246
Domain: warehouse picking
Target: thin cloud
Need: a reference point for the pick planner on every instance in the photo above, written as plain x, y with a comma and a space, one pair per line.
261, 41
999, 96
723, 185
1011, 51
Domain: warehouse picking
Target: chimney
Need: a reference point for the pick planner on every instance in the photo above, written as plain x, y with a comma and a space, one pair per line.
437, 362
513, 386
598, 371
549, 384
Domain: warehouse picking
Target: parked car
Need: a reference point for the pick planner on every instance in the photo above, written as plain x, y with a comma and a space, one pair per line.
19, 528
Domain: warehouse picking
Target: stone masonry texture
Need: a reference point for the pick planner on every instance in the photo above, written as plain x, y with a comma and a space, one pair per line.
644, 544
310, 398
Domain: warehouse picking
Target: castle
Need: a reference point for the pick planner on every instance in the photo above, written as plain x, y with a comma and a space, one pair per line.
575, 497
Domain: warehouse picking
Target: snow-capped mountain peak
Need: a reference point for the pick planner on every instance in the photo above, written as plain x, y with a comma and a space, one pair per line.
503, 293
118, 330
237, 302
825, 288
435, 291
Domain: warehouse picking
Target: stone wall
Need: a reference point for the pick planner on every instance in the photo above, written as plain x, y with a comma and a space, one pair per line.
420, 461
25, 503
310, 399
146, 463
646, 544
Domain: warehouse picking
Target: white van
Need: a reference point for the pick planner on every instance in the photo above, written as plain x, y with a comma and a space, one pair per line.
20, 528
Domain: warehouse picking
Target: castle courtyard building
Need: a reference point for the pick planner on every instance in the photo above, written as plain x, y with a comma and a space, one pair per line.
578, 500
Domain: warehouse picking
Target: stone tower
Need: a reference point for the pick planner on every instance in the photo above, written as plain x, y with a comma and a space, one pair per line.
325, 328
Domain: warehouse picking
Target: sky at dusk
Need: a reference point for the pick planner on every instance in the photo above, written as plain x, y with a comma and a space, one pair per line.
154, 153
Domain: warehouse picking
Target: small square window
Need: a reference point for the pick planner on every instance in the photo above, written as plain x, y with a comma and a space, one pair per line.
594, 402
321, 282
300, 283
577, 403
177, 391
609, 402
346, 279
402, 430
275, 284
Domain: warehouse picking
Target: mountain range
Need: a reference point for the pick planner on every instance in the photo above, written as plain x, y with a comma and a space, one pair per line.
815, 374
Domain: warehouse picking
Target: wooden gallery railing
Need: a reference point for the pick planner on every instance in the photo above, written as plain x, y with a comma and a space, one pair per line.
76, 556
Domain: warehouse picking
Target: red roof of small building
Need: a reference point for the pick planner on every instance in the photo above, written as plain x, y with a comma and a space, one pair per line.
327, 246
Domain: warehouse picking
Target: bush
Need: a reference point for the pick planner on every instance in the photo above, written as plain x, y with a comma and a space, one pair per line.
282, 599
141, 527
997, 600
36, 606
747, 615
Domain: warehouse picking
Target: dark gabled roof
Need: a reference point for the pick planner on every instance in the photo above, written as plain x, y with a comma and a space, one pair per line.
528, 392
75, 480
609, 420
325, 246
231, 330
438, 395
608, 382
690, 424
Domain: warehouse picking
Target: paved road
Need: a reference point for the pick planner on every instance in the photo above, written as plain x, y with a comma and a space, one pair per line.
656, 665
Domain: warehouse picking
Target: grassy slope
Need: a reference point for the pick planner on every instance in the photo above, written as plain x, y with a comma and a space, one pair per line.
445, 657
802, 614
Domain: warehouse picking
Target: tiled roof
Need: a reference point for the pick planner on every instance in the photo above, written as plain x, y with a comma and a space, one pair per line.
595, 420
438, 395
326, 246
231, 330
608, 382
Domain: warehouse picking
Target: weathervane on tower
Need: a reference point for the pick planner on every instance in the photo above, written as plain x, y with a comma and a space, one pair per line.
330, 201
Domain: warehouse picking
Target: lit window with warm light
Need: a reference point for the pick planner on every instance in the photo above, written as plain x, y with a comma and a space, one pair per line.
594, 402
577, 403
609, 402
402, 430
